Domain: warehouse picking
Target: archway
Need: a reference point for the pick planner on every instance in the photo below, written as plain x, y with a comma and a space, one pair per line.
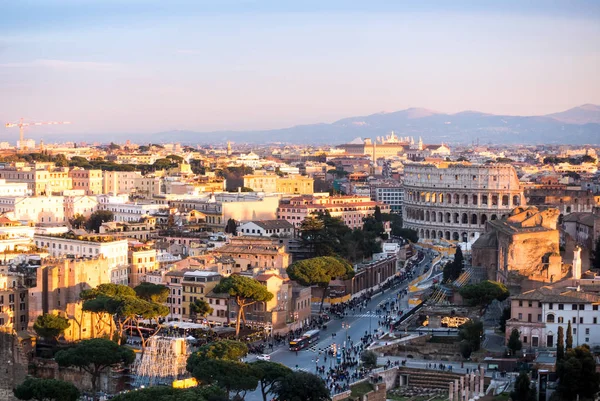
465, 237
448, 235
455, 236
455, 218
474, 218
465, 219
483, 219
448, 217
516, 200
494, 217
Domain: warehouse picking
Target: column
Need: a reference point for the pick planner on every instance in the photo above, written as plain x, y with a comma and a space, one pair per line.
481, 383
476, 393
451, 392
456, 390
462, 387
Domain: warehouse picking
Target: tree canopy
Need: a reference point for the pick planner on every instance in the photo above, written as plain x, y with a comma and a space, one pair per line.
97, 218
49, 326
320, 271
200, 308
369, 359
560, 345
162, 393
595, 255
577, 374
229, 350
452, 270
522, 390
246, 291
514, 342
46, 390
269, 374
95, 356
471, 332
483, 293
152, 292
302, 386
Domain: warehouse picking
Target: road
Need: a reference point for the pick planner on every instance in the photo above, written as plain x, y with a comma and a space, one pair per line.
359, 323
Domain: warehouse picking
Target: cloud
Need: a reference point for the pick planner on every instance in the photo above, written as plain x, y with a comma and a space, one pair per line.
64, 65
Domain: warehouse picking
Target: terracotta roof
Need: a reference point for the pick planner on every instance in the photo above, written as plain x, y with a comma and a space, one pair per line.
548, 294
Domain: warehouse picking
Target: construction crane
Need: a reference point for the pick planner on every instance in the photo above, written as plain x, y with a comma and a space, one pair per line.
21, 124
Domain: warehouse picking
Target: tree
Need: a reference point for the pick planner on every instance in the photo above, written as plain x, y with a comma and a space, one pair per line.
78, 221
319, 271
560, 345
471, 332
229, 350
466, 349
152, 292
577, 375
483, 293
595, 256
163, 393
523, 390
369, 359
505, 316
46, 390
514, 342
569, 341
269, 374
246, 291
95, 356
231, 227
49, 326
377, 214
219, 364
200, 308
302, 386
97, 218
452, 270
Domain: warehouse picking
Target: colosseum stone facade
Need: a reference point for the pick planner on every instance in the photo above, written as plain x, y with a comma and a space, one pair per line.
453, 201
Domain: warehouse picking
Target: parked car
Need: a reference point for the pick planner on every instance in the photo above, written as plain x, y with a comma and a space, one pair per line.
264, 357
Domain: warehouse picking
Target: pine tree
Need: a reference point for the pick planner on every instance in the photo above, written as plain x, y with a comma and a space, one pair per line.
514, 341
569, 342
560, 344
595, 256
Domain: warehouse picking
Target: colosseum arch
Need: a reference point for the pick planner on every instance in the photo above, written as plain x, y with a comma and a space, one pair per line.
440, 235
448, 218
432, 234
427, 215
516, 200
433, 214
483, 219
455, 218
428, 197
474, 218
441, 197
422, 234
440, 217
434, 198
448, 198
456, 199
465, 199
495, 200
474, 200
465, 237
427, 234
505, 199
448, 235
494, 217
464, 219
484, 200
455, 236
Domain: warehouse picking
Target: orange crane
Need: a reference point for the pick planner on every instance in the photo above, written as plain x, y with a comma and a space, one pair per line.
21, 124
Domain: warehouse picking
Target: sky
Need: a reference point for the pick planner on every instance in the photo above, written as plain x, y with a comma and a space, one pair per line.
146, 66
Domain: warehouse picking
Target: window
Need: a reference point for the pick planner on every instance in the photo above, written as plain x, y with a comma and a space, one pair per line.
539, 318
529, 317
574, 320
561, 306
580, 320
550, 305
595, 307
574, 331
581, 306
560, 319
587, 331
574, 306
530, 304
595, 320
520, 316
550, 318
524, 339
520, 303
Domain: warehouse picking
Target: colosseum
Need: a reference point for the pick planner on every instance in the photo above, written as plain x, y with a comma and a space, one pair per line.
453, 201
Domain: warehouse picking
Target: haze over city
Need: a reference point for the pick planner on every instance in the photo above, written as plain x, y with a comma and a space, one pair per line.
150, 66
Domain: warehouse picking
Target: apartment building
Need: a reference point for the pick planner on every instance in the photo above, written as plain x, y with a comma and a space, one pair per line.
90, 246
120, 182
537, 314
59, 282
90, 181
13, 188
351, 209
41, 179
14, 301
142, 260
267, 228
196, 284
255, 253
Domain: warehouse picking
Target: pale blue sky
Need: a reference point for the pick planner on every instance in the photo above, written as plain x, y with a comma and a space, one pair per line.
147, 66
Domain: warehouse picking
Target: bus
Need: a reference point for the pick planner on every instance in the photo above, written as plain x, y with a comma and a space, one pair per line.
308, 338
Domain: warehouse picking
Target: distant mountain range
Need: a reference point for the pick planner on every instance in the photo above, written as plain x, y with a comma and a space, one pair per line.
579, 125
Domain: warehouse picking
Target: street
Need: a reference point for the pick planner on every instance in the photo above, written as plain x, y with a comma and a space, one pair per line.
352, 327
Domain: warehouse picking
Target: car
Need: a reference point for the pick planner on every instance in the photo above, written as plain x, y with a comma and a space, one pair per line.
264, 357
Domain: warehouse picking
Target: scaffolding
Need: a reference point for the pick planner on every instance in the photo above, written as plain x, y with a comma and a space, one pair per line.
163, 362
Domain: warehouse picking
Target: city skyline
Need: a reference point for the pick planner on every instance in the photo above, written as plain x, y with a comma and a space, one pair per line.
207, 66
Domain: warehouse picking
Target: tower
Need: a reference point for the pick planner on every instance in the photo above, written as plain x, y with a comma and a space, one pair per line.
576, 263
228, 148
